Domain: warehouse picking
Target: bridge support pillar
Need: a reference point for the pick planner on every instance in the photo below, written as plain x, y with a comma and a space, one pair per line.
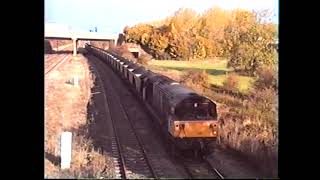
115, 41
74, 47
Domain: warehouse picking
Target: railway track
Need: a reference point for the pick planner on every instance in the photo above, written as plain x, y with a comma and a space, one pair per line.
50, 60
200, 169
53, 65
146, 130
115, 148
130, 157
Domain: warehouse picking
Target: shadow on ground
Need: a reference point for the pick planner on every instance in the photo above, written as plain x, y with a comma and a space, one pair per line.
52, 158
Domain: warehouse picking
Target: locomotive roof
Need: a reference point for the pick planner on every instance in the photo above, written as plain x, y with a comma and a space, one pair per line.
177, 93
181, 93
174, 91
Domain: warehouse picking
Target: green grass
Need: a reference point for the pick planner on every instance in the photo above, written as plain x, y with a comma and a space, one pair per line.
217, 70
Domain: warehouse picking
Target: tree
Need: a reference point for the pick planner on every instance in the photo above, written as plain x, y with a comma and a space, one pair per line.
212, 27
243, 37
248, 41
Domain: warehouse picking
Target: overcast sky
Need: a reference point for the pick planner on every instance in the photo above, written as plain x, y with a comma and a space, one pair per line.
112, 15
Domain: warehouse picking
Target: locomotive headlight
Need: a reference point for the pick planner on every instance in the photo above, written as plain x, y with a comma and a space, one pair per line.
212, 126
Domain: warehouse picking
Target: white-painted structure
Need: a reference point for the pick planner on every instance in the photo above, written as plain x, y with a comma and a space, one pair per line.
66, 149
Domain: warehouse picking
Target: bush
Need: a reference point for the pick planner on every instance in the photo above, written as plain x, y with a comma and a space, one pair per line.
123, 51
252, 128
196, 80
128, 55
164, 56
267, 78
231, 82
144, 59
263, 107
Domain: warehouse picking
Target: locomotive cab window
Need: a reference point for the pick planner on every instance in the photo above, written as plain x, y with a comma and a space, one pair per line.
195, 110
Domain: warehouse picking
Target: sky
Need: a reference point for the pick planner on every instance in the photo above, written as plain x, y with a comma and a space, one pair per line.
113, 15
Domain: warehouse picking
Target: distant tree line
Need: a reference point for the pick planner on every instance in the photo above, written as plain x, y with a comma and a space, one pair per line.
241, 36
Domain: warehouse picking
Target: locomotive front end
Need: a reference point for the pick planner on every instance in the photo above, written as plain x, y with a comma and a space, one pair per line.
194, 124
194, 129
195, 117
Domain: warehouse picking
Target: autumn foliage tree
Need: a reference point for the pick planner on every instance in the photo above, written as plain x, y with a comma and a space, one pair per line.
250, 42
240, 36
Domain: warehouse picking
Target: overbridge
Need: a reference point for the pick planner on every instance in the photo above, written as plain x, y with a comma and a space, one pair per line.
75, 36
